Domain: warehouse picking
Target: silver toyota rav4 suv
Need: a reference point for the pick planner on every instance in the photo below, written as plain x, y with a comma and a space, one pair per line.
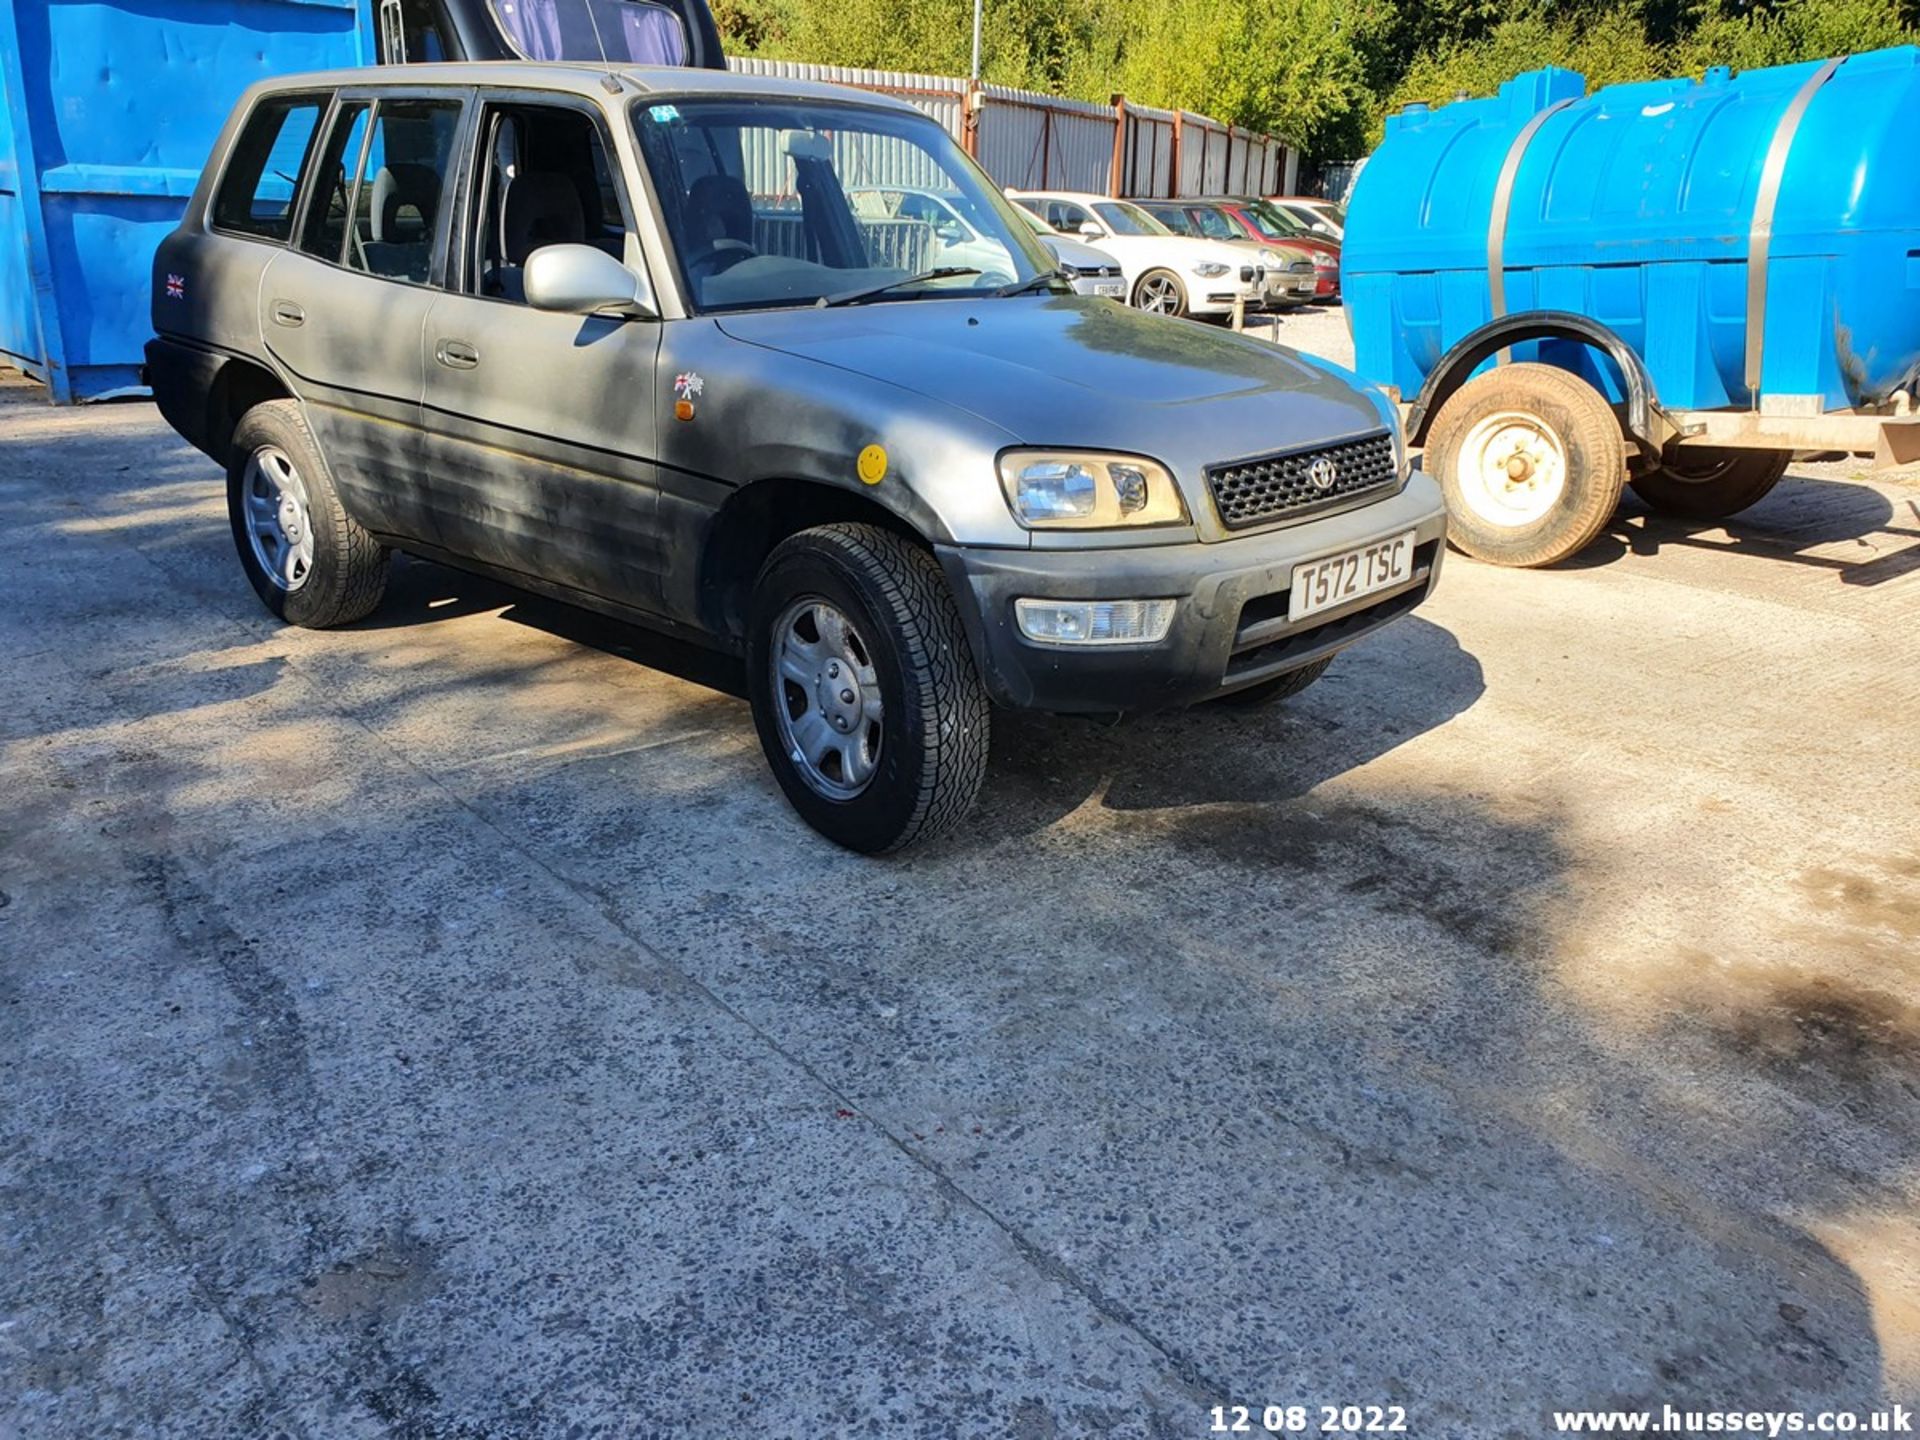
619, 337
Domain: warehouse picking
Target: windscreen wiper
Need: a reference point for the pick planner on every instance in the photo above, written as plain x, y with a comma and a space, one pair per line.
870, 292
1048, 278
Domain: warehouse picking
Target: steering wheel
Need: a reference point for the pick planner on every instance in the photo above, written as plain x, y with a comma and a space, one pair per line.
720, 257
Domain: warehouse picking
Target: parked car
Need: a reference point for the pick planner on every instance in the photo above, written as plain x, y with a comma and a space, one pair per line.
955, 239
617, 337
1166, 274
1290, 274
1257, 217
1094, 271
1323, 217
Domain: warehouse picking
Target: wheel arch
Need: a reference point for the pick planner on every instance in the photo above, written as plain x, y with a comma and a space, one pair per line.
237, 388
1644, 423
756, 518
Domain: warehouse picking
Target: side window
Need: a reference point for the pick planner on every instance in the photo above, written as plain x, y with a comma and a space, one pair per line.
549, 181
331, 188
396, 206
256, 193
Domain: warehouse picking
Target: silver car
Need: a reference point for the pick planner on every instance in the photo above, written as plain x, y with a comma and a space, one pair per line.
620, 338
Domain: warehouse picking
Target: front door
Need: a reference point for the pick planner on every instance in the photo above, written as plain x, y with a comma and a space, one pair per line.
345, 310
540, 427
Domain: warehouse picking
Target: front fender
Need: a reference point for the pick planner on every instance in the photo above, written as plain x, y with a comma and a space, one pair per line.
762, 414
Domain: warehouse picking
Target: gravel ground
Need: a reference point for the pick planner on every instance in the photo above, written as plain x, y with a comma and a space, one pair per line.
442, 1028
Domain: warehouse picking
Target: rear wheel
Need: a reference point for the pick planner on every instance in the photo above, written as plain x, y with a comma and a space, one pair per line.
307, 559
1696, 483
1281, 687
1160, 293
1531, 461
864, 691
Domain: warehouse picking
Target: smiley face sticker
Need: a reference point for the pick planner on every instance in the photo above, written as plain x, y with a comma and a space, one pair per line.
872, 465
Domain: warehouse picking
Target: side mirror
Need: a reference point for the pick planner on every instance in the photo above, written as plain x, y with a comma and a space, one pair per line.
580, 280
1091, 231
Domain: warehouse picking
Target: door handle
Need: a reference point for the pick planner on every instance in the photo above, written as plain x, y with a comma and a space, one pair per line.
456, 354
285, 312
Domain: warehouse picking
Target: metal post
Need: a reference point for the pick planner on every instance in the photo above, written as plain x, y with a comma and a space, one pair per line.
976, 39
1116, 183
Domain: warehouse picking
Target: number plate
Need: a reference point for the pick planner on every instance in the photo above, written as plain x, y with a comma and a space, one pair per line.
1322, 584
1111, 289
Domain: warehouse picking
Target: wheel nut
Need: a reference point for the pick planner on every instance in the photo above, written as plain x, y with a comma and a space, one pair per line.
846, 697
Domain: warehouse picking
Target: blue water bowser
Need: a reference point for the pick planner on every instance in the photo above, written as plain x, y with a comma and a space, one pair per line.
1672, 284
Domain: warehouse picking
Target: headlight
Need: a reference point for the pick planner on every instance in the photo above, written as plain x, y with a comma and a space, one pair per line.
1049, 490
1271, 259
1323, 257
1402, 462
1211, 269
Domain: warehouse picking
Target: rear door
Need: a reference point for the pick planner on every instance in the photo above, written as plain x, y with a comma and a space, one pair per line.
344, 310
541, 427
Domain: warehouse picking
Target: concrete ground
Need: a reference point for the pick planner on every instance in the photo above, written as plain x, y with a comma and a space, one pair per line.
442, 1028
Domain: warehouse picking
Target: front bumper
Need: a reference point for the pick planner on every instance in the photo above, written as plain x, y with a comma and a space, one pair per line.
1230, 628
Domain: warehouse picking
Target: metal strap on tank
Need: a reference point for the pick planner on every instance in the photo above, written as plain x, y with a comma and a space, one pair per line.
1760, 235
1503, 201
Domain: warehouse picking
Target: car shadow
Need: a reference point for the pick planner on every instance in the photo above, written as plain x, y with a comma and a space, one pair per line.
1803, 515
1390, 688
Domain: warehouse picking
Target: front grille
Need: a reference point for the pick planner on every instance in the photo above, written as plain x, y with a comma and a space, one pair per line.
1301, 267
1275, 487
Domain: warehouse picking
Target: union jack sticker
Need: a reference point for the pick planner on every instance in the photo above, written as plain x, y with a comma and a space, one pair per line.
176, 287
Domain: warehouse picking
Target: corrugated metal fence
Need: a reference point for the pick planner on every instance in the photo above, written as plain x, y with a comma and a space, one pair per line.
1042, 142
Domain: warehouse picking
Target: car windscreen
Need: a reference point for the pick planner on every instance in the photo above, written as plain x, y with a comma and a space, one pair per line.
1124, 219
755, 196
1273, 222
626, 32
1215, 224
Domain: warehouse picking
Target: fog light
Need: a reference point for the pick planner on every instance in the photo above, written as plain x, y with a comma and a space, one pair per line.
1095, 622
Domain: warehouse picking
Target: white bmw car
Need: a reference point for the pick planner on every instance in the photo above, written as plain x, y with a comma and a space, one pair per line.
958, 237
1166, 273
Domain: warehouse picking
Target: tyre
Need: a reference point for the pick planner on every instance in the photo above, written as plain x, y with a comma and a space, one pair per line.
1702, 484
1531, 461
1281, 687
1160, 293
308, 560
863, 687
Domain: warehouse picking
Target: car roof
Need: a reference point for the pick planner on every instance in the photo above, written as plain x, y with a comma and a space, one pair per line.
571, 77
1082, 197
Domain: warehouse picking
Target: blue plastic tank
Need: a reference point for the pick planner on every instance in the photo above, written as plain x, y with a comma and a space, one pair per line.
1636, 205
107, 112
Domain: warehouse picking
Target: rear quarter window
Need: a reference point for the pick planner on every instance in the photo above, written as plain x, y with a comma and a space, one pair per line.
263, 172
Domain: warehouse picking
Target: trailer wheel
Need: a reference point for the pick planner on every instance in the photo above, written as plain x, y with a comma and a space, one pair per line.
1531, 461
1695, 483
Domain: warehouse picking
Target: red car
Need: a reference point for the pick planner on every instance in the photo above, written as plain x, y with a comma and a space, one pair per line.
1260, 220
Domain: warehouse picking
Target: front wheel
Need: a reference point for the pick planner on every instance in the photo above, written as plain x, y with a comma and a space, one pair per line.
1531, 461
1160, 293
1695, 483
864, 691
